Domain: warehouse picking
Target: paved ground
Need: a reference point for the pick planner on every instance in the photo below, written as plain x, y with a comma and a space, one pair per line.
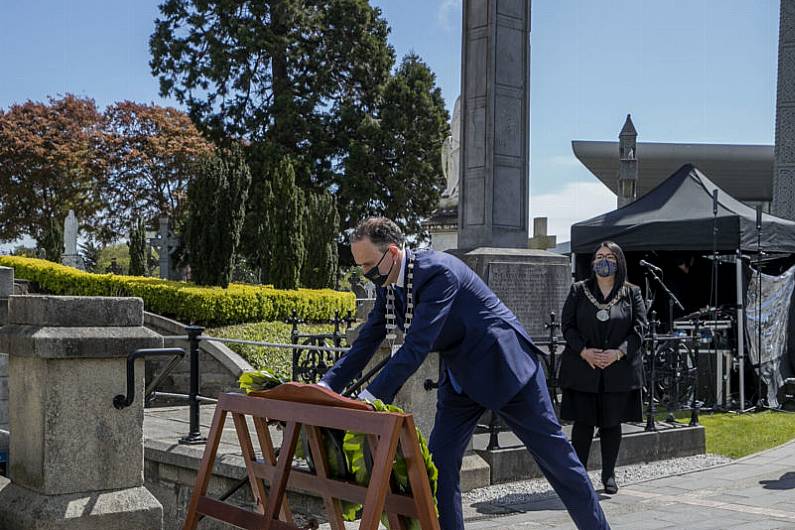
754, 493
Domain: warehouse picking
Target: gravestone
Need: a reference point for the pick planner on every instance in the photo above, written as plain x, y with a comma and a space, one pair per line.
70, 257
532, 283
166, 244
75, 461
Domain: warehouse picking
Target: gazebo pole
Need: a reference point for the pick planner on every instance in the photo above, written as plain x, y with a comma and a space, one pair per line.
573, 266
740, 327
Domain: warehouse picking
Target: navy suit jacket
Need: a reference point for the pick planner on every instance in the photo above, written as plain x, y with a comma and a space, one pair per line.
479, 339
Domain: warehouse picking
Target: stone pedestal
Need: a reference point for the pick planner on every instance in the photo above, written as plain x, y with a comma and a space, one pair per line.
532, 283
75, 461
414, 398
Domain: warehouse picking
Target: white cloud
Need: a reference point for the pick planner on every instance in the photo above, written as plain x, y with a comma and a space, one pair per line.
446, 13
576, 202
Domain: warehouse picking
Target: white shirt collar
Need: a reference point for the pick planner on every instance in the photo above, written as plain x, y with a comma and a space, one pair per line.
401, 279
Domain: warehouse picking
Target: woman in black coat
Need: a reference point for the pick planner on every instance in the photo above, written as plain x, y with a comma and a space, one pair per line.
601, 371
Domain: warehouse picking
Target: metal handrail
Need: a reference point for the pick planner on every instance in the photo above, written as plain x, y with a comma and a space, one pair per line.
120, 401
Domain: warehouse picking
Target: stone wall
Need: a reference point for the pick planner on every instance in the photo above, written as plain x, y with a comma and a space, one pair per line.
7, 288
170, 475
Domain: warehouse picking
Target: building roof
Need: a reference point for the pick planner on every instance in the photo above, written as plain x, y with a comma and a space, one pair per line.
744, 171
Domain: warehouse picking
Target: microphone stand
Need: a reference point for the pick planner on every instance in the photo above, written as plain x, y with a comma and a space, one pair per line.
714, 295
760, 406
672, 299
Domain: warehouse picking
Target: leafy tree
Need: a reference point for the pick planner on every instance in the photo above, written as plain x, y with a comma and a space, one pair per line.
90, 252
118, 252
320, 236
51, 241
22, 250
395, 157
47, 167
286, 229
255, 244
216, 211
137, 245
310, 80
150, 152
272, 70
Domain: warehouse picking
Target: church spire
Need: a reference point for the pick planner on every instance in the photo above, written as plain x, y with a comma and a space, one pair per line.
627, 188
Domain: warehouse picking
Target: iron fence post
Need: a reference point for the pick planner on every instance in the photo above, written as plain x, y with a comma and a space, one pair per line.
194, 436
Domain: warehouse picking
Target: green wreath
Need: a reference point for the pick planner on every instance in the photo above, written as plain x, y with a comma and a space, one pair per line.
358, 461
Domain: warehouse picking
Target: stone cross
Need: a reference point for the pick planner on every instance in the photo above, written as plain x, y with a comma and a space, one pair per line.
165, 245
494, 182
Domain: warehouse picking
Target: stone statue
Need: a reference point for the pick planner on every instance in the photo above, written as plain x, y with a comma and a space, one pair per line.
451, 158
70, 234
70, 258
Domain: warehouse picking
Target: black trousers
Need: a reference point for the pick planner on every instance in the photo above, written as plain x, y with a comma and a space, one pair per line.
610, 437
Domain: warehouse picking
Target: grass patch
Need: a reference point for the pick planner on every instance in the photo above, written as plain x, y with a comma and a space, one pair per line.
278, 360
738, 435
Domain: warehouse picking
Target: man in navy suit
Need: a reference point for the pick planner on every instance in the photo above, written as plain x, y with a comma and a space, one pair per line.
488, 362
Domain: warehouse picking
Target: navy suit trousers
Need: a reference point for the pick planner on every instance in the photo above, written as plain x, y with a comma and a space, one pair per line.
531, 416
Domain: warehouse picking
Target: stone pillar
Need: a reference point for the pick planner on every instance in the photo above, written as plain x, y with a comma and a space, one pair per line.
784, 166
494, 182
6, 290
75, 461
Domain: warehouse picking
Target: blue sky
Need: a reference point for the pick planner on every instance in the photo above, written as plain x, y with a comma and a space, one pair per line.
687, 70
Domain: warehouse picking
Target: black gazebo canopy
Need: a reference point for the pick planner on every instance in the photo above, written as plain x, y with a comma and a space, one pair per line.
678, 215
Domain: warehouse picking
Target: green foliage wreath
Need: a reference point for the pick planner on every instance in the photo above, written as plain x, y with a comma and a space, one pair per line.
356, 451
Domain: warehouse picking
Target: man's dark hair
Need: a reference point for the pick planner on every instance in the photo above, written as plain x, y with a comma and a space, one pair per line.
381, 231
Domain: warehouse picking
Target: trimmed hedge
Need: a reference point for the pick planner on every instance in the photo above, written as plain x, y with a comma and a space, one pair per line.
183, 300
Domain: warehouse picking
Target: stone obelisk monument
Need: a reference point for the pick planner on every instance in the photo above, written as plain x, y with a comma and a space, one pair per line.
494, 181
784, 167
495, 104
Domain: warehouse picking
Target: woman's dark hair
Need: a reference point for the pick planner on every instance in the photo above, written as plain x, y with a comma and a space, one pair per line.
621, 265
381, 231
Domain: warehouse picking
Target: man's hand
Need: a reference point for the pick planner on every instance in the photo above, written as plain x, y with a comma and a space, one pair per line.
591, 356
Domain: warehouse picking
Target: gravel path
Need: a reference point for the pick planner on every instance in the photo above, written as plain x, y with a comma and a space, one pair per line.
513, 493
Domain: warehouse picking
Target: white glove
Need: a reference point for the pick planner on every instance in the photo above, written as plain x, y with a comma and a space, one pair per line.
364, 395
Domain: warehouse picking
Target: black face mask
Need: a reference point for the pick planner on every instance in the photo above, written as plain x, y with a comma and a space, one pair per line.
374, 274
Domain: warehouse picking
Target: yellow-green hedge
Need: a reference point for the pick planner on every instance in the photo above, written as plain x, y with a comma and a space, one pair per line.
185, 301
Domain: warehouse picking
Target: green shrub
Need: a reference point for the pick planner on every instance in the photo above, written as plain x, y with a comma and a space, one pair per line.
277, 360
185, 301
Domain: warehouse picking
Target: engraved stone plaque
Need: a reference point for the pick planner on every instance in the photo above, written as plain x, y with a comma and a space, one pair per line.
531, 291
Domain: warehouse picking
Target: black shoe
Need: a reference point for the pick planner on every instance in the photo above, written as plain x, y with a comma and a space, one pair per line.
611, 488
